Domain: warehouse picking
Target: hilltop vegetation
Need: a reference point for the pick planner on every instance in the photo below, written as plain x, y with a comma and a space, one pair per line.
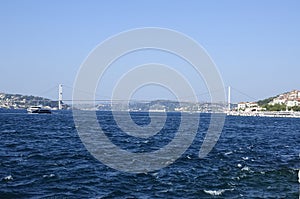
265, 102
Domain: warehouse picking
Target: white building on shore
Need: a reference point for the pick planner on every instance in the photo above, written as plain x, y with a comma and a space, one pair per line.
248, 107
291, 103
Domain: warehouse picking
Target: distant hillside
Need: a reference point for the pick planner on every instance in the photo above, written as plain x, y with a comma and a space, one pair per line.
164, 106
17, 101
285, 101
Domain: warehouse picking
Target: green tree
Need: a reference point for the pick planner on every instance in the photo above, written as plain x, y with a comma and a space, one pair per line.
275, 107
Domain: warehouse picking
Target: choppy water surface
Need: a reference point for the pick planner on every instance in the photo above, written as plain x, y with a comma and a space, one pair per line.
42, 156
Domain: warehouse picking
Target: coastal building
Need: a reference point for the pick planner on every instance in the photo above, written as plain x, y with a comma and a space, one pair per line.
291, 103
294, 95
242, 106
157, 110
248, 106
279, 100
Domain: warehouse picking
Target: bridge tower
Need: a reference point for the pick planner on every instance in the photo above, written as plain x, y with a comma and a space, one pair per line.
60, 96
229, 96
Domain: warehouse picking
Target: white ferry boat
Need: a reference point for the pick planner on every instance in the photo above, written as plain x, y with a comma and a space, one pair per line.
38, 109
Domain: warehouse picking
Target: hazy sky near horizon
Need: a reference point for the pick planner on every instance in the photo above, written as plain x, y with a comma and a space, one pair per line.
255, 44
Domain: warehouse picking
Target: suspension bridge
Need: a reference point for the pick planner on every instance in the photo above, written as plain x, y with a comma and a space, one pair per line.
106, 100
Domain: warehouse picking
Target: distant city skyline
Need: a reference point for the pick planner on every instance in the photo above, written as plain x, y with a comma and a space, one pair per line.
255, 44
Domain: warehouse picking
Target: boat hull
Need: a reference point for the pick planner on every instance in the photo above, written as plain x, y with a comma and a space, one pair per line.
38, 110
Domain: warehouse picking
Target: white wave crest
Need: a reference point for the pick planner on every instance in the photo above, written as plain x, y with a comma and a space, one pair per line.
215, 192
8, 178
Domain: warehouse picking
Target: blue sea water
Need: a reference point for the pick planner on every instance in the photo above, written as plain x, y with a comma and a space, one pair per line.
42, 156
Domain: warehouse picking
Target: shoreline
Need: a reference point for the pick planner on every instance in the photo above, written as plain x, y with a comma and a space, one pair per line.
289, 114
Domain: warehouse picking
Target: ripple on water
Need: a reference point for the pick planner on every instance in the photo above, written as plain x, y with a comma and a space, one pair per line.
44, 157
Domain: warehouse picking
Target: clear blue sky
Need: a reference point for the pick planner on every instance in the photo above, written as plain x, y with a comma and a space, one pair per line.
255, 44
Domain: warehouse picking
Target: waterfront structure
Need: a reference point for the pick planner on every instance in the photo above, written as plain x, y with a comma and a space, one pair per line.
248, 106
